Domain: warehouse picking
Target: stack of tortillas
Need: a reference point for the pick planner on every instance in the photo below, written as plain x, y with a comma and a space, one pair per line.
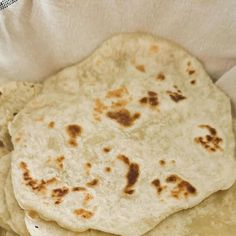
117, 144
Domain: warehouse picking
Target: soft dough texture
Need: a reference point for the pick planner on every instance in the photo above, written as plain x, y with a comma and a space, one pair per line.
16, 213
122, 140
13, 97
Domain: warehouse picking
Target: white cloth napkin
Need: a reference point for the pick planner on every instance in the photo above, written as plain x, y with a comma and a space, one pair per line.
39, 37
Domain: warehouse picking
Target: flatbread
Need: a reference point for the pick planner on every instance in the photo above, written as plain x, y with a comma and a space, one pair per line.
4, 214
16, 213
214, 216
13, 96
124, 139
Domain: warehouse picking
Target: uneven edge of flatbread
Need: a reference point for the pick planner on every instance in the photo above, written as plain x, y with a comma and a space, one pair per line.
195, 203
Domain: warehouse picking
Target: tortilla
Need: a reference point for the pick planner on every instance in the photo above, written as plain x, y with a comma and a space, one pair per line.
4, 214
13, 96
16, 213
124, 139
214, 216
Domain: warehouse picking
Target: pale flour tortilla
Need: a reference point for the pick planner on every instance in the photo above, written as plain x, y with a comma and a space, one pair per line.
16, 213
139, 125
214, 216
13, 96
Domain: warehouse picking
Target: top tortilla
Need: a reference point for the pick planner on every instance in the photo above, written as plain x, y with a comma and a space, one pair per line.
120, 141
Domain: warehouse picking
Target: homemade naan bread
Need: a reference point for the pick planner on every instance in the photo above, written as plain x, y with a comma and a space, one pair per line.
119, 142
13, 97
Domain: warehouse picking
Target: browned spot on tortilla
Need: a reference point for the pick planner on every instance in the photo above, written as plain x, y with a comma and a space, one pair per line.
78, 189
143, 100
117, 93
132, 174
140, 68
32, 214
51, 124
92, 183
181, 187
99, 106
211, 142
162, 162
173, 161
153, 48
108, 169
15, 113
59, 162
151, 99
175, 96
1, 143
58, 194
73, 143
123, 117
187, 186
193, 81
132, 177
106, 149
88, 165
124, 158
83, 213
172, 179
152, 94
73, 130
0, 93
157, 184
34, 184
129, 191
189, 63
190, 72
120, 103
160, 76
51, 181
87, 198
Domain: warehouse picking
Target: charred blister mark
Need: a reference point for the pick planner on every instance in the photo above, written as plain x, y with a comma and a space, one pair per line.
85, 214
36, 185
78, 189
157, 184
58, 194
193, 82
176, 94
123, 117
160, 76
190, 70
116, 99
107, 169
162, 162
51, 124
132, 174
93, 183
211, 141
151, 99
73, 131
140, 68
106, 149
181, 188
60, 162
